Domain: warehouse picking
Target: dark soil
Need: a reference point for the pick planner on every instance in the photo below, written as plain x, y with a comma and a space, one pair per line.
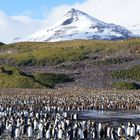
91, 72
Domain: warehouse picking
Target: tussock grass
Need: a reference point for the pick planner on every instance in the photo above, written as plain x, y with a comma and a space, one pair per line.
1, 44
126, 86
110, 61
128, 74
42, 53
15, 79
132, 73
11, 77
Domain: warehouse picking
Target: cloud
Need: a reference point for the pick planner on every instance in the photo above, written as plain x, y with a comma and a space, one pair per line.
17, 26
122, 12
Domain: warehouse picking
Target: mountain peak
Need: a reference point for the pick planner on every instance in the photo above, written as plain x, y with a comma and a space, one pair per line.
76, 24
74, 12
72, 15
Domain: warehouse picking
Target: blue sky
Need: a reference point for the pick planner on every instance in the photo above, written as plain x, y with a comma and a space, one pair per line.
32, 8
19, 18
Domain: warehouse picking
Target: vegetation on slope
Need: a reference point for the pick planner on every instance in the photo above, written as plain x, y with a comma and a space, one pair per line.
126, 86
69, 55
40, 54
1, 44
51, 78
110, 61
128, 74
11, 77
132, 73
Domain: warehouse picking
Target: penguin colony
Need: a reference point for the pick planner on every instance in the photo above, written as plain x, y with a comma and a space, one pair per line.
48, 116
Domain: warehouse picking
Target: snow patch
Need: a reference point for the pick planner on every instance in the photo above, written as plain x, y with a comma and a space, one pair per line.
78, 25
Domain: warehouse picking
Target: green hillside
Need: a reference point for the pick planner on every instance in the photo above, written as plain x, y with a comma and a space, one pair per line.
87, 63
131, 73
11, 77
1, 44
40, 54
126, 86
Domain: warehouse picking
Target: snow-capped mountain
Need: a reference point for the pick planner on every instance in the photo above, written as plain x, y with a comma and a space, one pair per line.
79, 25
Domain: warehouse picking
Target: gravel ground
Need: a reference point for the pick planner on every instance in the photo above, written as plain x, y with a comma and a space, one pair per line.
87, 74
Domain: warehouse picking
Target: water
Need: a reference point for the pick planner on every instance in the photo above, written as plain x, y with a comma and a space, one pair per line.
110, 115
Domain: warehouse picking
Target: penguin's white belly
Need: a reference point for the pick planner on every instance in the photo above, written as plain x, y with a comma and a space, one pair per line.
108, 132
132, 132
119, 132
17, 133
60, 134
128, 131
35, 125
93, 134
81, 135
48, 134
30, 132
40, 135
